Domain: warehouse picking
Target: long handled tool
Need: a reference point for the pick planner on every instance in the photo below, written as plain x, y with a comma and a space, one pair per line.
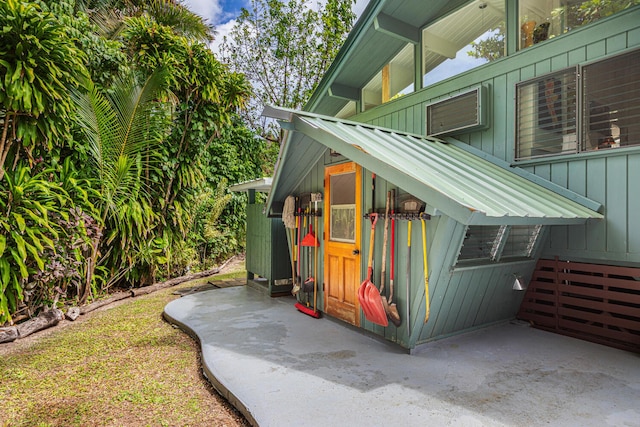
288, 218
309, 284
383, 269
299, 226
426, 268
368, 293
393, 314
408, 316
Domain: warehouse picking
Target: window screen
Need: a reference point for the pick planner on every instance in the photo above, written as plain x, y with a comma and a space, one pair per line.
478, 242
495, 243
546, 114
521, 240
611, 107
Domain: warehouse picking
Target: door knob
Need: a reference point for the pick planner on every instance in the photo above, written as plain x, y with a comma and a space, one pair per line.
355, 252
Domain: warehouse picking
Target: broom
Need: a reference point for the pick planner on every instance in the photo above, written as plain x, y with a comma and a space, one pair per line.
308, 241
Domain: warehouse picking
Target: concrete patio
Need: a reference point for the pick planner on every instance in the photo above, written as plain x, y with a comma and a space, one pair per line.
280, 367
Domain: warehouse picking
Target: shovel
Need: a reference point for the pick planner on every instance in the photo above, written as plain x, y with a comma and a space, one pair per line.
368, 293
383, 299
392, 311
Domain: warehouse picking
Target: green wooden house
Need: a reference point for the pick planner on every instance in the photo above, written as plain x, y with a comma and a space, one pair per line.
510, 131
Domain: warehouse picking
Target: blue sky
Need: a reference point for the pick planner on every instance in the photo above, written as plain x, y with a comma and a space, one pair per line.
222, 13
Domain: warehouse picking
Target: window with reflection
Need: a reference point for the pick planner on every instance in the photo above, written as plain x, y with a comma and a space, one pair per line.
469, 37
541, 20
394, 80
552, 119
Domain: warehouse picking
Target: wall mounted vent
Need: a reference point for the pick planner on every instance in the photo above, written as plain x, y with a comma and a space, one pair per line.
458, 114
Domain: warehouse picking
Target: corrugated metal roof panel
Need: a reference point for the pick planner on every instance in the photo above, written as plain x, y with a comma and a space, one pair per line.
453, 180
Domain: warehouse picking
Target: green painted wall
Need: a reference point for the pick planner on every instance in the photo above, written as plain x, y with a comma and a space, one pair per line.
461, 299
267, 254
607, 177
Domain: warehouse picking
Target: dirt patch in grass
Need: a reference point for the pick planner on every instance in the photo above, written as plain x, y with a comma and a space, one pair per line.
120, 365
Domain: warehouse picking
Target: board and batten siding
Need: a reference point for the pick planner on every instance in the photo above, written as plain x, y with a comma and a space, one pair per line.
610, 177
461, 298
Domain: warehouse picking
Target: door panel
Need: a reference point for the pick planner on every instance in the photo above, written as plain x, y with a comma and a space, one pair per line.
342, 224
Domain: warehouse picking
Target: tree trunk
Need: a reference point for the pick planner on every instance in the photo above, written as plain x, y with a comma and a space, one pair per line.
8, 334
42, 321
85, 292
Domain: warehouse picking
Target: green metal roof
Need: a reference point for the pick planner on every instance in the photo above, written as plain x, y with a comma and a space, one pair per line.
467, 185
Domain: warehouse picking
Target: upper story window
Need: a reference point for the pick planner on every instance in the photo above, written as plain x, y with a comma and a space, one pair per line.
549, 110
543, 19
394, 80
471, 36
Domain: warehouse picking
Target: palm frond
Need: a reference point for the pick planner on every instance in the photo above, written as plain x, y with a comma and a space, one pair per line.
124, 128
181, 20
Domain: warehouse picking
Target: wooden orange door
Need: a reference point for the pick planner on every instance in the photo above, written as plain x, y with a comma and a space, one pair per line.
342, 225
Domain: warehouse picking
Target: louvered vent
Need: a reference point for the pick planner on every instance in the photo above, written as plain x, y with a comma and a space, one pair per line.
458, 114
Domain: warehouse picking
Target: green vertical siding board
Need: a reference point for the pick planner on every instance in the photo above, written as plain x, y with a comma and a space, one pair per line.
501, 105
486, 299
443, 249
402, 119
617, 43
633, 208
450, 306
410, 124
577, 56
528, 72
616, 193
559, 236
420, 123
543, 67
544, 171
596, 50
464, 299
578, 183
395, 120
504, 302
473, 298
559, 62
633, 37
559, 174
596, 190
388, 122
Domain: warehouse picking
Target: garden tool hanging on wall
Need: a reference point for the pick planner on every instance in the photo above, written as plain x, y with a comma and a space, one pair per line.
289, 220
389, 308
310, 240
393, 314
368, 293
425, 265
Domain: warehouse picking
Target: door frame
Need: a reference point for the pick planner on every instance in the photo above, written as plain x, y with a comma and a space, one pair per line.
336, 169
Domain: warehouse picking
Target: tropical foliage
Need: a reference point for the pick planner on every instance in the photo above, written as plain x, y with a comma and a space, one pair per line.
120, 132
119, 135
284, 48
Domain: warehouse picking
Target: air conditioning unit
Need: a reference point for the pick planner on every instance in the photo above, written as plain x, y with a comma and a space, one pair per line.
458, 114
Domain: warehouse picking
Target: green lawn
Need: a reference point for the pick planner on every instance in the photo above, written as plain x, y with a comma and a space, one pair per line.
119, 366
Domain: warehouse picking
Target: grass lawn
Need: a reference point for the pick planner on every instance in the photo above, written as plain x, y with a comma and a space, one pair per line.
119, 366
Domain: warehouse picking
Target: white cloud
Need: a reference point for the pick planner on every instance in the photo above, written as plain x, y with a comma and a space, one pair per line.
359, 7
223, 20
221, 31
208, 9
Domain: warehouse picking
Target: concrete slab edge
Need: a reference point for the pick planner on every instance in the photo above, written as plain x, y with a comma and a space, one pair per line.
208, 374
